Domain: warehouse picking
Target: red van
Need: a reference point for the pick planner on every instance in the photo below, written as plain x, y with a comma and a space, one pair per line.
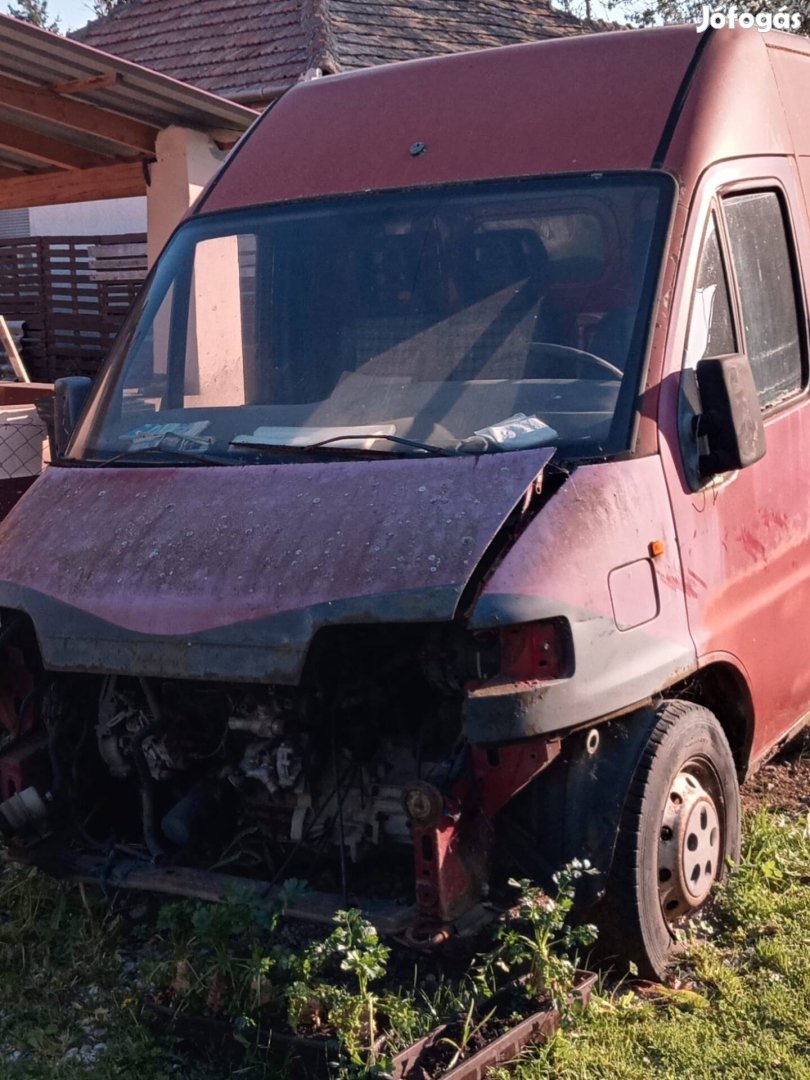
439, 515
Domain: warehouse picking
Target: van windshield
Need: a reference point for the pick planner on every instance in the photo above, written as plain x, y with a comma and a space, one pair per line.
468, 318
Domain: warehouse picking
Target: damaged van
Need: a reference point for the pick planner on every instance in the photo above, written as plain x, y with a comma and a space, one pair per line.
440, 514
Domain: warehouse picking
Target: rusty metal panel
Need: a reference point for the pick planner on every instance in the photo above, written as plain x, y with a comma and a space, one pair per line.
744, 538
733, 108
605, 516
790, 59
549, 107
176, 551
389, 916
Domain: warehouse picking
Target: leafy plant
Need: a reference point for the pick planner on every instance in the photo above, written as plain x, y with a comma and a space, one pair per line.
356, 945
103, 8
35, 12
224, 955
538, 940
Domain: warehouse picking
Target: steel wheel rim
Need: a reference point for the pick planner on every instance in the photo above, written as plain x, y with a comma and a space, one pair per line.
691, 840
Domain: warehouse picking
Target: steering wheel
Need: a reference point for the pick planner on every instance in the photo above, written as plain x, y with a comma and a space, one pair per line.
563, 352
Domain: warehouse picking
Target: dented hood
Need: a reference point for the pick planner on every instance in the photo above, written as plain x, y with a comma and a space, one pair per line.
228, 572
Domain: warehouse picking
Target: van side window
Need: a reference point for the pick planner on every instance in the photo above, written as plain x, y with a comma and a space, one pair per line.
762, 264
711, 325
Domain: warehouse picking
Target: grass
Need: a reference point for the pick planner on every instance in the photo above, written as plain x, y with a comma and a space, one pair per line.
739, 1006
69, 989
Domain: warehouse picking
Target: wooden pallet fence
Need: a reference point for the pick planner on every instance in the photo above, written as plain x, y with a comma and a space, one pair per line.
73, 294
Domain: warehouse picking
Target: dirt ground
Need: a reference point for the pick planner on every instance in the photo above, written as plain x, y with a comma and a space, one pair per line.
784, 783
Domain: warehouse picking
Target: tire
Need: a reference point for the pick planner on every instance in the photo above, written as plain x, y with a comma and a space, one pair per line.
679, 828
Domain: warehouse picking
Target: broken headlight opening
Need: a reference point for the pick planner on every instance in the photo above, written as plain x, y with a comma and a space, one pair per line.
523, 652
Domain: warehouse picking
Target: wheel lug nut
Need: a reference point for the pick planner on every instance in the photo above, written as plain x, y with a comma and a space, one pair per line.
666, 833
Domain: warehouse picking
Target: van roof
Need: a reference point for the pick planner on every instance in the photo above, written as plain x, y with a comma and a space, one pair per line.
601, 102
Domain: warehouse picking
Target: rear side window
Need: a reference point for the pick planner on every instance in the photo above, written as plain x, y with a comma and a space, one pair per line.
762, 266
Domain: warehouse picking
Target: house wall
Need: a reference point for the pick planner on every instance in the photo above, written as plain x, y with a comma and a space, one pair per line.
104, 218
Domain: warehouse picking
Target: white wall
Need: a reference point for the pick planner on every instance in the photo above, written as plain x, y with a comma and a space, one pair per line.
108, 217
186, 161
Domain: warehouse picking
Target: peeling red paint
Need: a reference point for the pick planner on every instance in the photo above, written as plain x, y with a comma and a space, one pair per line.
148, 549
755, 548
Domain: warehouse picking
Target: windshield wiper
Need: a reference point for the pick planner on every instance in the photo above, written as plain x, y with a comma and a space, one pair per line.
428, 448
172, 455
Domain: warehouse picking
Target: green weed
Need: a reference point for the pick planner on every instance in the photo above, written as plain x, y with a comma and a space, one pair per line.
540, 942
737, 1007
75, 969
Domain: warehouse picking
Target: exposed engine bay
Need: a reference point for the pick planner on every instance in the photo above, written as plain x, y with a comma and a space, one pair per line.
263, 781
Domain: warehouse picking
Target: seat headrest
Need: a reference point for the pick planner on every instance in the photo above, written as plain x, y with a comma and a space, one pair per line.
499, 257
400, 275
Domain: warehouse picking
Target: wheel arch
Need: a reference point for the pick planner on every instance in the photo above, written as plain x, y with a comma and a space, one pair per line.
721, 686
573, 809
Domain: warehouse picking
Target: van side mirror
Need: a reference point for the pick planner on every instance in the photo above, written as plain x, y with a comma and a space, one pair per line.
69, 398
731, 421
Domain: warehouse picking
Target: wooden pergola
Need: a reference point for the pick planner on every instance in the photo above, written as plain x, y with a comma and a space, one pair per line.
77, 124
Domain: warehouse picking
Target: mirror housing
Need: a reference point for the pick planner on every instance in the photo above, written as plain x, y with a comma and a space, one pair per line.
731, 420
69, 398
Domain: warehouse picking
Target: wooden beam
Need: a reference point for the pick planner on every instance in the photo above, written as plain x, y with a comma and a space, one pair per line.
41, 101
43, 189
16, 393
92, 82
47, 151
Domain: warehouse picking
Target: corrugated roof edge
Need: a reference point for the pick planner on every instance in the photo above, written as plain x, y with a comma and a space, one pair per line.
44, 50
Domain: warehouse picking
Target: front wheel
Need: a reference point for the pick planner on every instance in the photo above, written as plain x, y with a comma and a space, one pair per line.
679, 828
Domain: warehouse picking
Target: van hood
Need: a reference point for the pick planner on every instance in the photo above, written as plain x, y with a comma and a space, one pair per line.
202, 572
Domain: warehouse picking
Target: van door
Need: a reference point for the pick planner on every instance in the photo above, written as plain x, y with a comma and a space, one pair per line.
744, 537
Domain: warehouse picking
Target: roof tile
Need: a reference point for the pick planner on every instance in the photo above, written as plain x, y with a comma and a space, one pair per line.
233, 46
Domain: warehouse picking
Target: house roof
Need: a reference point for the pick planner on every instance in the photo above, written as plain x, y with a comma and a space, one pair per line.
251, 49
